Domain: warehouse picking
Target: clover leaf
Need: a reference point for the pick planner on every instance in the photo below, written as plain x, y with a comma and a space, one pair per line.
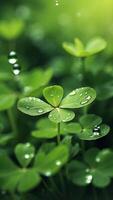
49, 164
47, 129
7, 97
54, 94
36, 82
78, 49
11, 29
97, 168
24, 153
13, 177
23, 179
90, 127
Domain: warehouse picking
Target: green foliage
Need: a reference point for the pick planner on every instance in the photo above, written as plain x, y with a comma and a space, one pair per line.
11, 29
56, 148
97, 168
90, 127
78, 49
24, 153
76, 99
23, 179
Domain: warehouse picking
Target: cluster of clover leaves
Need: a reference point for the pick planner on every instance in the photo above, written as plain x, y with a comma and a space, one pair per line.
31, 165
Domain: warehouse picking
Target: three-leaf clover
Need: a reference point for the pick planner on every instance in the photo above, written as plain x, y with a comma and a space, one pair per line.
79, 50
58, 106
97, 169
90, 127
27, 176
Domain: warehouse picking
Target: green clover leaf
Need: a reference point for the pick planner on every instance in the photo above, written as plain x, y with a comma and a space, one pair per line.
78, 49
12, 177
24, 153
54, 94
47, 129
50, 164
97, 168
90, 127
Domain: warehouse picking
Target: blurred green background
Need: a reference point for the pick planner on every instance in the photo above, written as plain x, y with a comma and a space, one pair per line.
37, 28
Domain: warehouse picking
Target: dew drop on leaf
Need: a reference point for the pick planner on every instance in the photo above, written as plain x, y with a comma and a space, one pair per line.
88, 179
97, 159
27, 107
58, 162
72, 93
48, 173
96, 131
26, 156
84, 102
88, 97
40, 111
12, 57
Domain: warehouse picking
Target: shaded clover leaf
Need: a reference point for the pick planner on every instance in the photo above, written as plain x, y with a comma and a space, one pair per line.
49, 164
7, 97
11, 29
90, 127
78, 49
97, 168
48, 161
54, 94
24, 153
12, 177
47, 129
36, 83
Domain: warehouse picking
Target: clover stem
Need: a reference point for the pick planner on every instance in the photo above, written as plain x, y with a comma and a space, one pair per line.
55, 186
83, 64
58, 133
84, 110
50, 189
12, 121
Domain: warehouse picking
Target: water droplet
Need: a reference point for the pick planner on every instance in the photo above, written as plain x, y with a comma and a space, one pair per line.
16, 69
28, 144
87, 170
51, 95
48, 173
96, 131
27, 107
40, 110
89, 178
57, 3
97, 159
26, 156
32, 98
72, 93
58, 162
84, 102
88, 97
12, 58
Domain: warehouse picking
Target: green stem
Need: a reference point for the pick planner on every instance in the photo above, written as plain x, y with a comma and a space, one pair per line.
12, 121
55, 187
62, 182
58, 134
83, 65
